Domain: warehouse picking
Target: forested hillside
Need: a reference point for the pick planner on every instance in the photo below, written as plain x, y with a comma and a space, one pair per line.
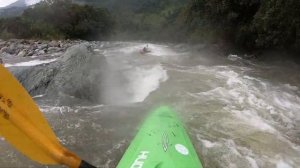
247, 24
56, 19
11, 12
145, 19
251, 24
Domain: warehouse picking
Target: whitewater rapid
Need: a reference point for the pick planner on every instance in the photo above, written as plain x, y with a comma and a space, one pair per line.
236, 111
30, 63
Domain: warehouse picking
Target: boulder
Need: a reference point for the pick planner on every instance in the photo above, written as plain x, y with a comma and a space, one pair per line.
12, 49
30, 53
5, 50
77, 74
41, 52
42, 46
54, 44
80, 74
53, 49
36, 79
2, 44
22, 53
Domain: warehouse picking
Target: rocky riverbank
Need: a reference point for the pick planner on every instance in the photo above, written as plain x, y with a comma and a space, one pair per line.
17, 49
68, 69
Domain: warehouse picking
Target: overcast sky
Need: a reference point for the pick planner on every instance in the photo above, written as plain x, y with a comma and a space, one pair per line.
6, 2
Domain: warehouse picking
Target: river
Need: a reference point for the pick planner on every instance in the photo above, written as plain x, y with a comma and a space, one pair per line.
238, 113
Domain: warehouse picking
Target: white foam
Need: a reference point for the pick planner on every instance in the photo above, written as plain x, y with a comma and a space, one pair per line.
30, 63
233, 57
156, 50
132, 49
145, 80
282, 164
232, 77
233, 147
286, 101
252, 162
208, 144
243, 91
161, 50
38, 96
56, 109
252, 118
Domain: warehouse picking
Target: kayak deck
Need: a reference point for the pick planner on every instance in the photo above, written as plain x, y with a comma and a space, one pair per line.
162, 142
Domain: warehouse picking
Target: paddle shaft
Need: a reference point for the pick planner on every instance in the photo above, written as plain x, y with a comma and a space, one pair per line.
59, 153
20, 115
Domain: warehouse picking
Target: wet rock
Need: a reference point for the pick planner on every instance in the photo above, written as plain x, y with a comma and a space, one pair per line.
54, 44
53, 49
80, 75
12, 49
5, 49
40, 52
2, 44
30, 53
26, 47
5, 55
42, 46
22, 53
36, 79
76, 74
25, 42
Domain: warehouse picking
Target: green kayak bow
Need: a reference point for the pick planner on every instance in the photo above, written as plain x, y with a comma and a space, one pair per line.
162, 142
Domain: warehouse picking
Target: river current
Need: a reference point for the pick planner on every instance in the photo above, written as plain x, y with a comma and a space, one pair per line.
238, 113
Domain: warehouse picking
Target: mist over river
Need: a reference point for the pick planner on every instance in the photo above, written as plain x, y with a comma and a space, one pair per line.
239, 113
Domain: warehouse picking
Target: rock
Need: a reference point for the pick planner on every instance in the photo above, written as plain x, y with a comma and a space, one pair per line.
22, 53
31, 42
26, 47
30, 53
78, 74
53, 49
5, 49
5, 55
2, 44
42, 46
12, 49
36, 79
25, 42
41, 52
54, 44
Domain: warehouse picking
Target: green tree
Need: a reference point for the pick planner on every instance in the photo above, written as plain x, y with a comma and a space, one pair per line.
277, 24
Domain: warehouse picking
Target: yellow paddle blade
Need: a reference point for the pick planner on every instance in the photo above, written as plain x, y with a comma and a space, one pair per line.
24, 126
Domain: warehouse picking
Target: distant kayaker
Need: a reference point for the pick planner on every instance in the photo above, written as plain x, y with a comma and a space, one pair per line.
144, 49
